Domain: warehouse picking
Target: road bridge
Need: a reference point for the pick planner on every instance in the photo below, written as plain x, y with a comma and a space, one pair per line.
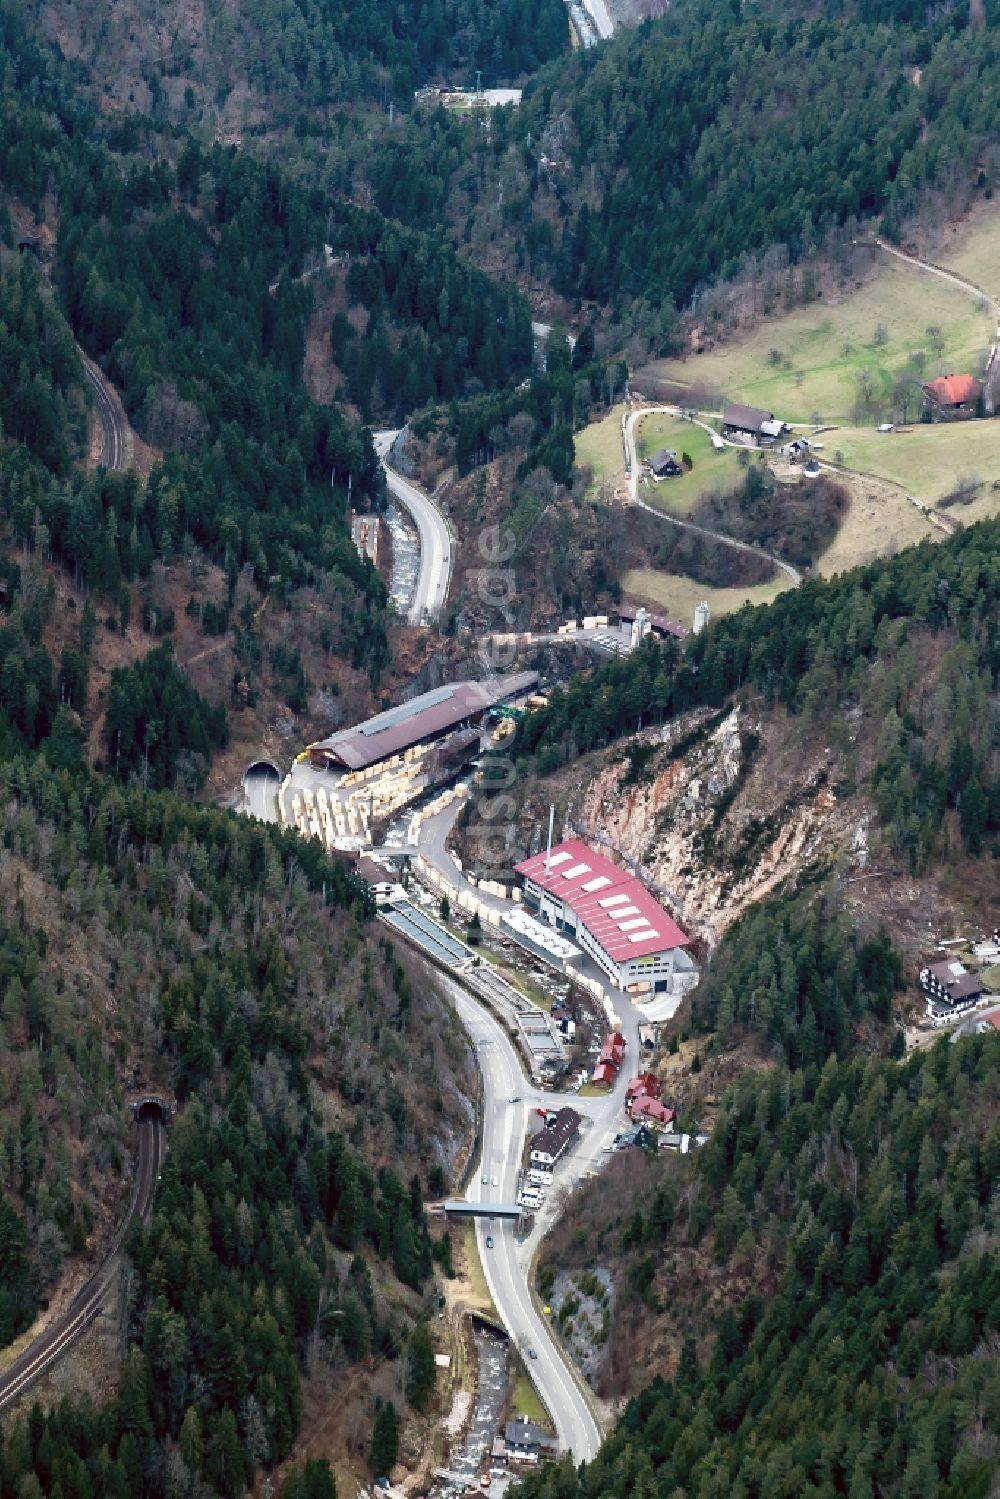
460, 1207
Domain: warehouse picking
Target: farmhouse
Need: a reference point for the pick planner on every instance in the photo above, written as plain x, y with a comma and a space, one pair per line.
954, 395
607, 911
750, 424
664, 465
950, 984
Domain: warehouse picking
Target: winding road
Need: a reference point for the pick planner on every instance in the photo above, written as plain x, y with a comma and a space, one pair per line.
507, 1103
114, 427
730, 541
50, 1346
436, 548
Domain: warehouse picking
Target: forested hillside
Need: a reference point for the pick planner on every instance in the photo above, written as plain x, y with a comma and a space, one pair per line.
829, 651
835, 1247
270, 64
190, 273
231, 966
634, 175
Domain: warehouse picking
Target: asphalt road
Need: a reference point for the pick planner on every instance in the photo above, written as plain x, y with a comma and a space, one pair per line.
598, 13
436, 559
261, 796
507, 1101
114, 428
60, 1335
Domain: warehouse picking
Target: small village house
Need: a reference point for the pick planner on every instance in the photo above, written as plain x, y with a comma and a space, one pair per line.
646, 1082
664, 465
554, 1140
643, 1107
526, 1442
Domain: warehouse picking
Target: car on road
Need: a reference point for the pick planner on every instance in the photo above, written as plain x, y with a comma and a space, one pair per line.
495, 1182
532, 1353
485, 1181
489, 1241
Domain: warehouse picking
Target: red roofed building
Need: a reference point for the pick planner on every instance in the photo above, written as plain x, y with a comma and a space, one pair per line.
991, 1020
613, 1049
605, 1074
606, 910
646, 1082
651, 1109
954, 393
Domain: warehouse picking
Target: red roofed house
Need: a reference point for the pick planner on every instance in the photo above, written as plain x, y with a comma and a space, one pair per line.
613, 1049
607, 911
954, 395
646, 1082
605, 1074
651, 1109
989, 1021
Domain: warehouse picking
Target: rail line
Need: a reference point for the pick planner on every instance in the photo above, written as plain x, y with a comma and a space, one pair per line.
114, 430
50, 1346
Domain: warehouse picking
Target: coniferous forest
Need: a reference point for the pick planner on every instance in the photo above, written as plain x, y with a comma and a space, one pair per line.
212, 206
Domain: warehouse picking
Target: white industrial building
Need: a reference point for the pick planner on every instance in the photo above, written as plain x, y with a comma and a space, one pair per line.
606, 911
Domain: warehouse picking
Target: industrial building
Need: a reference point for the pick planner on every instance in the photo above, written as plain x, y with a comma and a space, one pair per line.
607, 911
432, 716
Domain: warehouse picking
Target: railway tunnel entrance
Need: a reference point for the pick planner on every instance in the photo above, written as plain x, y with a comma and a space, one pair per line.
153, 1106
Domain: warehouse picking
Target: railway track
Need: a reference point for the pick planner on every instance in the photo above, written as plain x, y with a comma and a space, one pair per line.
51, 1345
114, 428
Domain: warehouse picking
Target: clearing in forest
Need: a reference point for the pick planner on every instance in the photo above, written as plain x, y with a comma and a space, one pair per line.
676, 595
713, 471
972, 249
812, 363
928, 461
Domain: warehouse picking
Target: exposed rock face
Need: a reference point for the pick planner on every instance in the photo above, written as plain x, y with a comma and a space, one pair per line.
715, 828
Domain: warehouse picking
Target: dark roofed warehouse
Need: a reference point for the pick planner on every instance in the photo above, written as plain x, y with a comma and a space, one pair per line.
421, 720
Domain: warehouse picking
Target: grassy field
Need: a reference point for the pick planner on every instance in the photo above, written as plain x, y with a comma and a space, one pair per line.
525, 1402
678, 595
599, 448
879, 522
973, 249
927, 461
713, 471
820, 350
